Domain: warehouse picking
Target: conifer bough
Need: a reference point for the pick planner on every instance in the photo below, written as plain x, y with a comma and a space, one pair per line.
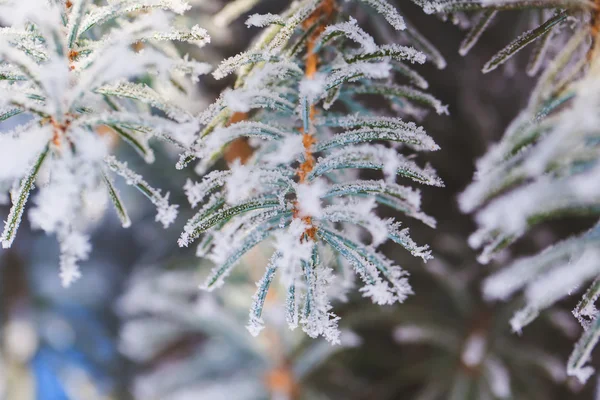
72, 79
546, 166
302, 104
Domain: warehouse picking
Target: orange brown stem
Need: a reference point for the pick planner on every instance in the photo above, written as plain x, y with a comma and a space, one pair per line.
138, 46
282, 380
324, 12
594, 30
321, 16
239, 148
59, 130
307, 166
72, 55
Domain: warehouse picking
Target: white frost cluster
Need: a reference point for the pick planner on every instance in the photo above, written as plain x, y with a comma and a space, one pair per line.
71, 82
263, 20
351, 30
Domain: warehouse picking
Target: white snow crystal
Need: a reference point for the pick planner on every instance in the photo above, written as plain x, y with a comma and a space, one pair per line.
240, 183
354, 32
309, 197
20, 147
262, 20
312, 88
474, 350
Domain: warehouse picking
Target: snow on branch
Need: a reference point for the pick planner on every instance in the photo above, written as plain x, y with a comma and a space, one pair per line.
71, 70
300, 192
545, 167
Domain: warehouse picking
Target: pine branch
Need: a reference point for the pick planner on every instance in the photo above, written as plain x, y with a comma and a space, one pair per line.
72, 74
297, 186
545, 167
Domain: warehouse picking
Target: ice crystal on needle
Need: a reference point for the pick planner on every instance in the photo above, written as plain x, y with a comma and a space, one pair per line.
300, 189
60, 75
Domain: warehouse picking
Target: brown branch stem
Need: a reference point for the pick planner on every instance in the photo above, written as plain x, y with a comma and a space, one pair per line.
321, 16
592, 54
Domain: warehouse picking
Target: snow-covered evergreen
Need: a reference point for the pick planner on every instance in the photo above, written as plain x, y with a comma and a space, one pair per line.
77, 76
545, 166
301, 104
305, 139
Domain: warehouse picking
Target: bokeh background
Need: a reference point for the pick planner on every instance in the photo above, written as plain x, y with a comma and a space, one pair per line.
136, 326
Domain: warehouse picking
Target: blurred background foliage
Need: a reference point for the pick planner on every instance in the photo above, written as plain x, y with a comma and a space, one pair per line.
136, 326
